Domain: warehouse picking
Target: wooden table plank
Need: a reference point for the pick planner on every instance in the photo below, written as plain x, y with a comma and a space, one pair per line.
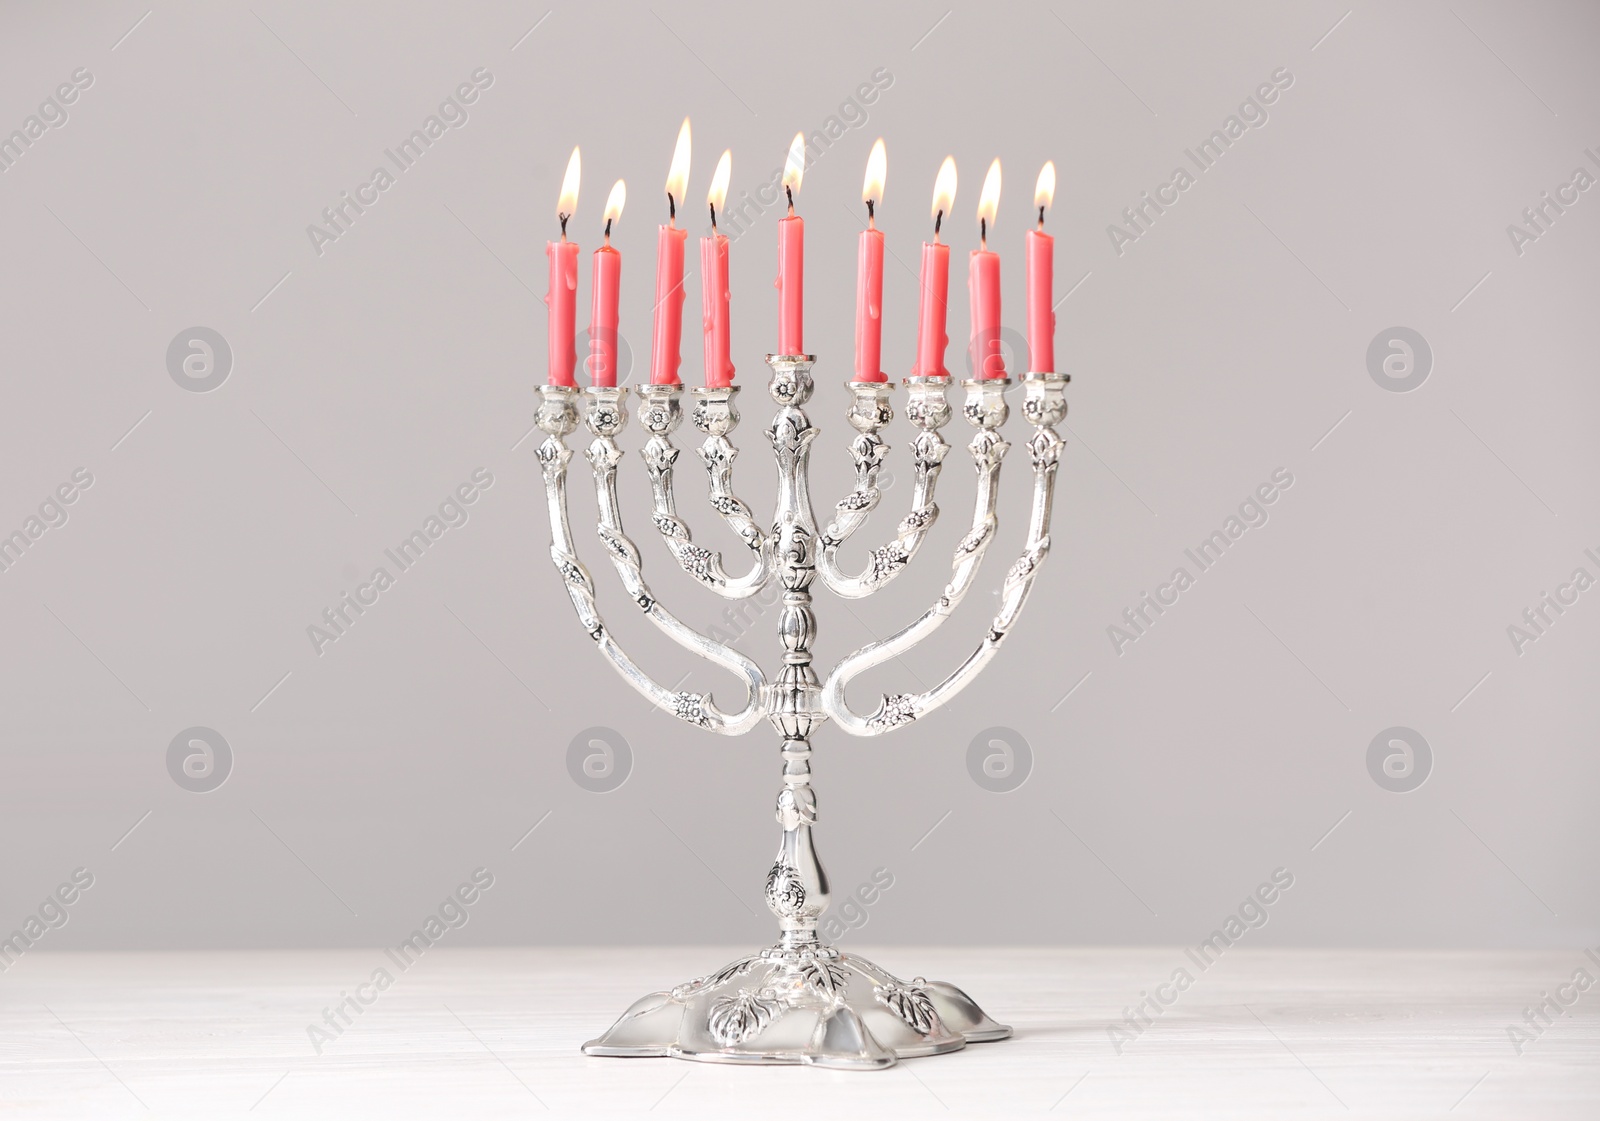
495, 1033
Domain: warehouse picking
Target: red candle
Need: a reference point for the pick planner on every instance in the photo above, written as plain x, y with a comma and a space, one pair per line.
562, 298
603, 301
983, 284
792, 257
869, 275
667, 334
1041, 279
934, 282
714, 285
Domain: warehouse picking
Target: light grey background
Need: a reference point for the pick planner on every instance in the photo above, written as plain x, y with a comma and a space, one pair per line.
1227, 342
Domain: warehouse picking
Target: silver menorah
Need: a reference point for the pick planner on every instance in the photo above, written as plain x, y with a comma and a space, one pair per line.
800, 1001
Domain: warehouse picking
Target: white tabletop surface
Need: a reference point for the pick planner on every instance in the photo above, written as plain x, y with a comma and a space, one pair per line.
495, 1033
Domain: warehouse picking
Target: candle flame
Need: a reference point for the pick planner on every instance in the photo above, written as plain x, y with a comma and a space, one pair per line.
795, 166
877, 171
719, 181
616, 201
1044, 192
944, 187
678, 175
989, 200
567, 204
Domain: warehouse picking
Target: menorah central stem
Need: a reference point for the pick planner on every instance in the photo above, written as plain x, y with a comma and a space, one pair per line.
797, 887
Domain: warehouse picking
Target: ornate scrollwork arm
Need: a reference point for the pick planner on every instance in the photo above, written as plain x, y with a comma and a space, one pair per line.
869, 412
715, 415
986, 410
558, 418
1045, 406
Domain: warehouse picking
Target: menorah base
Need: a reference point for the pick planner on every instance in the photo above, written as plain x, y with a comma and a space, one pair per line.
807, 1005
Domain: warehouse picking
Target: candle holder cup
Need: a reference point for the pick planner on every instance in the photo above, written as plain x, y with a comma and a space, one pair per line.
800, 1001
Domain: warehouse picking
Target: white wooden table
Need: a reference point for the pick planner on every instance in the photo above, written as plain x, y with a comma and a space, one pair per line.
495, 1033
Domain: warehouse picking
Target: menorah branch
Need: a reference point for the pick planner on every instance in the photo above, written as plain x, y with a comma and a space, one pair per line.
715, 415
1044, 407
870, 412
558, 418
986, 411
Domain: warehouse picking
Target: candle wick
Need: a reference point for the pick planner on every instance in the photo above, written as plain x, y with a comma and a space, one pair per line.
608, 231
871, 214
938, 220
672, 209
713, 208
788, 190
563, 218
1041, 217
983, 233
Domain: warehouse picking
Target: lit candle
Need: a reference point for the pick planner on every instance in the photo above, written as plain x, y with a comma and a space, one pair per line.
934, 282
714, 284
1041, 279
983, 284
562, 299
603, 302
869, 274
667, 335
792, 257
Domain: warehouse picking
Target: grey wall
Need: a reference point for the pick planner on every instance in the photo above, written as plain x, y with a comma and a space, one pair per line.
1163, 780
